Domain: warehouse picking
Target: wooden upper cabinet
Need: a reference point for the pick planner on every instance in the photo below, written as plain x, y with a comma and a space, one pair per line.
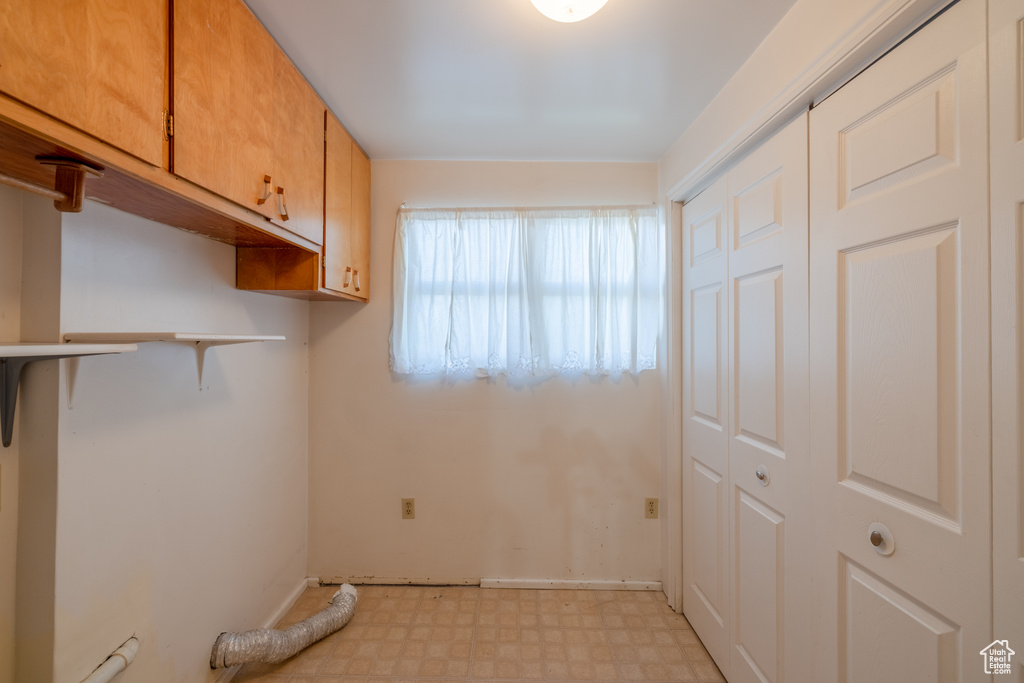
97, 65
243, 113
298, 143
347, 214
337, 205
359, 237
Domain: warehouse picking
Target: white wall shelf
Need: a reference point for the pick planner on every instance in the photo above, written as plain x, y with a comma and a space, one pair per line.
14, 357
200, 341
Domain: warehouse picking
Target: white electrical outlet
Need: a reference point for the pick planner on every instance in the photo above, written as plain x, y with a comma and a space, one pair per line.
408, 508
651, 508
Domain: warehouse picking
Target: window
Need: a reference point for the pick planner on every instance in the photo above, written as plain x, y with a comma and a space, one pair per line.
526, 292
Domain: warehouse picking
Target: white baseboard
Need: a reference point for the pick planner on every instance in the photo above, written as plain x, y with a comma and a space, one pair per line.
400, 581
225, 675
569, 584
289, 602
563, 584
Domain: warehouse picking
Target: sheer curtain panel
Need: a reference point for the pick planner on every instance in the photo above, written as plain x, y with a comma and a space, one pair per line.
526, 292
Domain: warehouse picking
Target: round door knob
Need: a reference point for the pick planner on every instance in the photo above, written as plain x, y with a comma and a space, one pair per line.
762, 475
881, 538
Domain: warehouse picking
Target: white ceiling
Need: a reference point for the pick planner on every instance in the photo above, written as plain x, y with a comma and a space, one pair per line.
496, 80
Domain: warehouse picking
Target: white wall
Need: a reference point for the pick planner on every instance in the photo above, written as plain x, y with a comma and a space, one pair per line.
541, 482
10, 330
180, 513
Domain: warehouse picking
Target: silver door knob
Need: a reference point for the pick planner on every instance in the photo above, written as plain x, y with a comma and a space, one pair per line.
762, 475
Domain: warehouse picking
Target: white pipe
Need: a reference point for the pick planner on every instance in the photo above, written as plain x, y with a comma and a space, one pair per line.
117, 662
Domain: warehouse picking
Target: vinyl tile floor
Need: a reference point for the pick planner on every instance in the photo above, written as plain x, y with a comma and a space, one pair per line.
469, 634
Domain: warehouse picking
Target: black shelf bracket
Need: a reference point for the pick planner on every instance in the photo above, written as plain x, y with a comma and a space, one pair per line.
10, 378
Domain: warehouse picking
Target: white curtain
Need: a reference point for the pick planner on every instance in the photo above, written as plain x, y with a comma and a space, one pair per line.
526, 292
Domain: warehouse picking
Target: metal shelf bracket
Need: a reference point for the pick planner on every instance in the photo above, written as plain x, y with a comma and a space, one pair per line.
14, 358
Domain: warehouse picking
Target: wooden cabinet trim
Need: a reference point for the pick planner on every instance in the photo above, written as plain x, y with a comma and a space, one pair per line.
128, 183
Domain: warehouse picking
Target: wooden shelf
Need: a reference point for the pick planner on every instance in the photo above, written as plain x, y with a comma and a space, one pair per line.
14, 357
201, 341
289, 272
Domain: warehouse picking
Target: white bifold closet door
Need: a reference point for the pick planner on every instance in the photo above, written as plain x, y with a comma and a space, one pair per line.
900, 419
1006, 111
745, 468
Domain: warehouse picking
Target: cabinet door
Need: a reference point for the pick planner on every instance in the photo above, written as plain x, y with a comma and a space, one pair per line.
97, 65
347, 217
298, 150
900, 422
224, 65
359, 237
337, 261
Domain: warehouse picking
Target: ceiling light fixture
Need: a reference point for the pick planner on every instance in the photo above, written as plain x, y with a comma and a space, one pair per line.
568, 10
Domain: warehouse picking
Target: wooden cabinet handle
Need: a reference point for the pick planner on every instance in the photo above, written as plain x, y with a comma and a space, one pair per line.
267, 192
348, 277
282, 206
356, 273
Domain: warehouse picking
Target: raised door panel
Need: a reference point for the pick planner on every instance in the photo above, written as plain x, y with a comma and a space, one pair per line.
759, 556
1006, 111
900, 361
907, 640
97, 65
224, 109
759, 366
768, 409
709, 579
298, 150
338, 207
897, 318
909, 137
706, 592
359, 239
707, 313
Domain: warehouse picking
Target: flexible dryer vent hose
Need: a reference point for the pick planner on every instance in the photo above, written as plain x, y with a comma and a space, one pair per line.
269, 645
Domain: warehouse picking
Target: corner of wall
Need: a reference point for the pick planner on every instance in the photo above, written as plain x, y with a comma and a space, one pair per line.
37, 448
10, 330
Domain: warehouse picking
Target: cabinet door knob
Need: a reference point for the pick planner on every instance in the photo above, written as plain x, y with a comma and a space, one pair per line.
267, 191
356, 273
348, 277
282, 206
